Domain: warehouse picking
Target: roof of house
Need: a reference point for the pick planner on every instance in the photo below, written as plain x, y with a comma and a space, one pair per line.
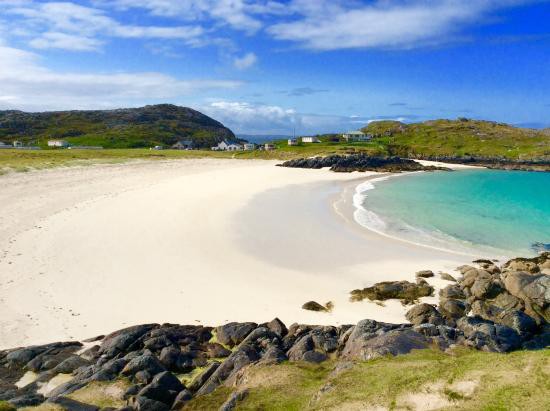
355, 132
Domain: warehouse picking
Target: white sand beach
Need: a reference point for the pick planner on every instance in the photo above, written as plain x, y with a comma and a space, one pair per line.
85, 251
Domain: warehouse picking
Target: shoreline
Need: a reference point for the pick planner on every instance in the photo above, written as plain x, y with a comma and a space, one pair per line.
163, 242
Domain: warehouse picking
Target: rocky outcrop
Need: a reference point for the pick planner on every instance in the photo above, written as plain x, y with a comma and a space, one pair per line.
360, 162
489, 308
407, 292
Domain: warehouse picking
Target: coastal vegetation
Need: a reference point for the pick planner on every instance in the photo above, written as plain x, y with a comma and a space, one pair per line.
163, 124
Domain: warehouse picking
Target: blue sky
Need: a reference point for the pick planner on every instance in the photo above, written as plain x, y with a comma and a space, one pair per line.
267, 66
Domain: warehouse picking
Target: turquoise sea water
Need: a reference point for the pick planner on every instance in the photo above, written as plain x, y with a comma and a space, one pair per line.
497, 212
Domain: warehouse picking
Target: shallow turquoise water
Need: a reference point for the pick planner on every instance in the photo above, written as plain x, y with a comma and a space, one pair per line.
504, 212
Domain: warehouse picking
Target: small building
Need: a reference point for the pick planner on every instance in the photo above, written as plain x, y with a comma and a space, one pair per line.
310, 140
58, 143
357, 135
292, 141
158, 148
183, 145
249, 146
269, 146
17, 144
227, 146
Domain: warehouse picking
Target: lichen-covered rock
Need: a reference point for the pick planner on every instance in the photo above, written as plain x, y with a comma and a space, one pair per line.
405, 291
424, 313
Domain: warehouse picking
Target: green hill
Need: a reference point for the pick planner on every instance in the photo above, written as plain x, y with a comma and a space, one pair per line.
163, 124
461, 138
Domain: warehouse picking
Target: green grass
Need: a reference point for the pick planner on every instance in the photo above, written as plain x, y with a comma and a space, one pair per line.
461, 138
465, 380
6, 406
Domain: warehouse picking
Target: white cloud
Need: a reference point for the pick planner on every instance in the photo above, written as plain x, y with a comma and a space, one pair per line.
26, 84
331, 25
246, 61
69, 26
55, 40
247, 118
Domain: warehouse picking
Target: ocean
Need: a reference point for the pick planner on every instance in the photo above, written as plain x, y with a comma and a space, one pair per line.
499, 213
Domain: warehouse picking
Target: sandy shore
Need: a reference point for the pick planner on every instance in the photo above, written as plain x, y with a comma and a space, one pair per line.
85, 251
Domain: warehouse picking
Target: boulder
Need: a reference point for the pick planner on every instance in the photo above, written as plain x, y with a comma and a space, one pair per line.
393, 342
425, 274
140, 403
233, 399
483, 334
233, 334
215, 350
200, 379
123, 340
484, 287
314, 357
303, 345
533, 290
522, 264
164, 388
145, 362
278, 327
452, 291
314, 306
447, 277
181, 399
424, 313
273, 355
405, 291
70, 364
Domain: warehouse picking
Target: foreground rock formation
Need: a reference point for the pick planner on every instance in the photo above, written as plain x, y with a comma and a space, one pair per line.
490, 308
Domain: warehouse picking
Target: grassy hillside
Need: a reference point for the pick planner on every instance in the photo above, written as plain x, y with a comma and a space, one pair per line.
124, 128
424, 379
461, 137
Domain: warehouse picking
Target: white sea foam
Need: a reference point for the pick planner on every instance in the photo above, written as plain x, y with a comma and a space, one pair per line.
405, 232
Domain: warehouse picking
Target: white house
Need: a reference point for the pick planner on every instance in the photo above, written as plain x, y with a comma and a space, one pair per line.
292, 141
17, 144
249, 146
310, 140
183, 145
269, 146
356, 136
227, 146
58, 143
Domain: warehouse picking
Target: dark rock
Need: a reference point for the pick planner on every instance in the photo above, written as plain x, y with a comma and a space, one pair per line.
273, 355
359, 162
158, 343
453, 309
405, 291
181, 399
447, 277
304, 344
169, 357
164, 388
143, 377
314, 357
393, 342
140, 403
215, 350
325, 338
452, 291
132, 390
243, 356
145, 362
314, 306
200, 379
70, 364
27, 400
233, 334
484, 287
485, 335
425, 274
233, 399
278, 327
424, 313
91, 354
122, 340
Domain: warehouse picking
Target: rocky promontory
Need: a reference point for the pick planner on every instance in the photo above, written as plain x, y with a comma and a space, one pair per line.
360, 162
167, 366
